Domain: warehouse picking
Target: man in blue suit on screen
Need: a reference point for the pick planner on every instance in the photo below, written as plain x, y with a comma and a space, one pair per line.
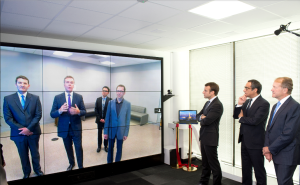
69, 107
22, 112
117, 123
282, 139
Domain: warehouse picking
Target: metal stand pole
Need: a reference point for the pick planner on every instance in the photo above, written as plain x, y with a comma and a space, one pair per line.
177, 146
190, 168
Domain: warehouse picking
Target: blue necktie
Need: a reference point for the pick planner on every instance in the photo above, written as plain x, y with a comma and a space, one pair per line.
69, 102
278, 104
23, 101
103, 104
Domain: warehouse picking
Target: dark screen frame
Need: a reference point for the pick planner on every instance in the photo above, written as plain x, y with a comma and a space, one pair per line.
105, 170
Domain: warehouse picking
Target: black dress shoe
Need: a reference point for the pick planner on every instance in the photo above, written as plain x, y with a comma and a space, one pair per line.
98, 150
39, 173
70, 167
26, 176
106, 149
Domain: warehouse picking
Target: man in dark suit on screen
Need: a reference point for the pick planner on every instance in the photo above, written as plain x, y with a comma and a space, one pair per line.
209, 118
100, 110
282, 139
252, 114
69, 107
22, 112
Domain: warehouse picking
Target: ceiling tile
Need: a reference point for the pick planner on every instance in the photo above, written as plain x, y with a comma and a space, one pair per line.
60, 29
186, 20
19, 30
251, 18
110, 7
159, 30
32, 8
101, 35
227, 34
214, 28
187, 35
285, 8
81, 16
62, 2
181, 5
149, 12
161, 43
260, 3
134, 39
24, 21
124, 24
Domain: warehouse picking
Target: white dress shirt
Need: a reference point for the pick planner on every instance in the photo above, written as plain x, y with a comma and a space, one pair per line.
20, 98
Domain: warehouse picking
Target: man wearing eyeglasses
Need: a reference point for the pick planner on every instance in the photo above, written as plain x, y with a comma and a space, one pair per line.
117, 123
252, 115
100, 110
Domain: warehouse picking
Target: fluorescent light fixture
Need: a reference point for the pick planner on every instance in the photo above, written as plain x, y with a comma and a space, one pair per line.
105, 56
221, 9
107, 63
62, 53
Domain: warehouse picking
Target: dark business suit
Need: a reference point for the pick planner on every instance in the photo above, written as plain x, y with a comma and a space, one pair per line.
100, 115
69, 126
17, 117
209, 141
283, 139
252, 136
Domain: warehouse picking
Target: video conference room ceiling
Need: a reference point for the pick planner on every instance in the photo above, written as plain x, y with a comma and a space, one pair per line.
109, 60
155, 24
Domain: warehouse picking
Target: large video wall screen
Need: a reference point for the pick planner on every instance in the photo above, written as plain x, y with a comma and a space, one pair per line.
92, 76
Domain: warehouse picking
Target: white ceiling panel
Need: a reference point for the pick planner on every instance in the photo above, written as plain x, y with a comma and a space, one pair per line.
124, 24
206, 39
186, 20
105, 6
101, 34
19, 30
32, 8
286, 8
251, 18
62, 2
149, 12
161, 43
24, 21
228, 34
187, 35
159, 30
81, 16
214, 28
260, 3
134, 39
59, 29
180, 5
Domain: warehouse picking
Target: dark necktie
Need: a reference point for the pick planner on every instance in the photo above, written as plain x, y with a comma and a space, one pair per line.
248, 107
206, 105
23, 101
69, 102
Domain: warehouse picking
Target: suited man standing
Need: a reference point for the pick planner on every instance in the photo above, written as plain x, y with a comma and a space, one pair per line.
209, 118
252, 114
100, 110
68, 107
22, 112
117, 123
282, 139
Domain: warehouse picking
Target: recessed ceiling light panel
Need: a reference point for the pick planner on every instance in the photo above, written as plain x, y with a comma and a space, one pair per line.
107, 63
62, 53
221, 9
104, 56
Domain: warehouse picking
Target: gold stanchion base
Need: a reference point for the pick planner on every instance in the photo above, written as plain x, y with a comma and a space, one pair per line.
176, 167
190, 169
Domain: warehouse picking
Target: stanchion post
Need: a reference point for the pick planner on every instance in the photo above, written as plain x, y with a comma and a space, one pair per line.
190, 168
177, 147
